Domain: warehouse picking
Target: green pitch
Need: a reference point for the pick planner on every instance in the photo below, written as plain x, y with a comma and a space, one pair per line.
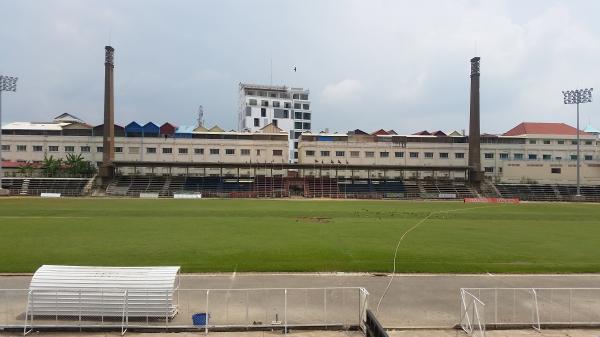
281, 235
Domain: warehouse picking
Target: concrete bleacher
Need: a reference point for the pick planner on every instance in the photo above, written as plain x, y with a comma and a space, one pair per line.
547, 192
36, 186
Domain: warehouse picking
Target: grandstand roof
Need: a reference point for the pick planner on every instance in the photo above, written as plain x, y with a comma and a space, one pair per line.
530, 128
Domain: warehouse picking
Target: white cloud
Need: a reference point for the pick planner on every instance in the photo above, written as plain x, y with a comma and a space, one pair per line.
342, 91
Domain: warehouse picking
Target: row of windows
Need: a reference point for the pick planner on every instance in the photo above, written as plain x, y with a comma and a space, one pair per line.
385, 154
277, 104
283, 114
136, 150
272, 94
559, 142
534, 156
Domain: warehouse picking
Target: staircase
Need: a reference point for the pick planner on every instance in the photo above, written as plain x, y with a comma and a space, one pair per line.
24, 187
165, 190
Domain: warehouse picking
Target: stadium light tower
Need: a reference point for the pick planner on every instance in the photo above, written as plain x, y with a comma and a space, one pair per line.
7, 83
578, 96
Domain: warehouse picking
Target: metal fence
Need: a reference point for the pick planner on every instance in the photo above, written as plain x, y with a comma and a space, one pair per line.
528, 307
202, 309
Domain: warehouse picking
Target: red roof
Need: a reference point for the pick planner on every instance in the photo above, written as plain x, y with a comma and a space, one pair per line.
380, 132
528, 128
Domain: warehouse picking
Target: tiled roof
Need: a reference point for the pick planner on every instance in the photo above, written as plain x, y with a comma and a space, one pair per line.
528, 128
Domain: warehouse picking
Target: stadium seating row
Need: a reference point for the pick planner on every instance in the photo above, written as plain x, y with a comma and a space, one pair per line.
37, 186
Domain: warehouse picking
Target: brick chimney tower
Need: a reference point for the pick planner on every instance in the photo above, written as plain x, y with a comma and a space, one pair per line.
108, 141
475, 174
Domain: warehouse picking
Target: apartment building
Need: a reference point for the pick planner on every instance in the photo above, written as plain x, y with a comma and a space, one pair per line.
287, 108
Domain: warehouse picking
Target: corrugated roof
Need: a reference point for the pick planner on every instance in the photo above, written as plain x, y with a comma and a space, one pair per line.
529, 128
34, 126
79, 277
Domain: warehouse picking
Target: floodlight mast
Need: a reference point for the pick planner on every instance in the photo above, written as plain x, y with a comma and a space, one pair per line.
578, 96
7, 83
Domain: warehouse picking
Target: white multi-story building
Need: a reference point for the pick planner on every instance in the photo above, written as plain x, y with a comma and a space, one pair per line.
285, 107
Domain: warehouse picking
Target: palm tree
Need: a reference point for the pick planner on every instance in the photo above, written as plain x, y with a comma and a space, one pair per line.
26, 169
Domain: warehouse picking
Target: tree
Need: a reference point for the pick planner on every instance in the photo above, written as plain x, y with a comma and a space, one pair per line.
51, 166
26, 169
76, 165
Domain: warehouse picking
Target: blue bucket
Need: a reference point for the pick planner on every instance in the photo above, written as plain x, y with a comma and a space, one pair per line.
199, 319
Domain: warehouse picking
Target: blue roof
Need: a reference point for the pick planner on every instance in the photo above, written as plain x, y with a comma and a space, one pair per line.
591, 129
151, 128
133, 127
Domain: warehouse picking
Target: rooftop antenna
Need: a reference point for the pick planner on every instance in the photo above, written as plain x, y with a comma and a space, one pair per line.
200, 115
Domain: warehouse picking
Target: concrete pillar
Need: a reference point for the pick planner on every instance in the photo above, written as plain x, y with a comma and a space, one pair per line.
108, 141
475, 174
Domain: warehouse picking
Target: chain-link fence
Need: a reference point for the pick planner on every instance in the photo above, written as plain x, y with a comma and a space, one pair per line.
203, 309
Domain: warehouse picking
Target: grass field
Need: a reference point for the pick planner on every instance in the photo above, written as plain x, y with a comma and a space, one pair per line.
280, 235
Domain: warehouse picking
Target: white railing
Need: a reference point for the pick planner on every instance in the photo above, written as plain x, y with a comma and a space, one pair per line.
534, 307
471, 312
262, 308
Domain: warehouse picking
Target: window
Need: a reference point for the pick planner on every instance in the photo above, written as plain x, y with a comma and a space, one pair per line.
183, 150
546, 157
304, 97
573, 142
295, 155
5, 147
68, 148
428, 155
588, 142
98, 149
276, 104
587, 157
443, 155
134, 150
198, 151
306, 115
118, 149
399, 154
503, 155
264, 103
245, 152
297, 125
459, 155
560, 142
258, 153
532, 141
546, 142
21, 148
151, 150
297, 134
384, 154
306, 126
280, 113
325, 153
310, 153
256, 122
297, 106
558, 158
214, 151
306, 106
230, 151
263, 112
488, 169
84, 149
39, 148
277, 153
532, 156
250, 92
488, 155
252, 101
555, 170
573, 157
414, 154
275, 122
354, 154
167, 150
518, 156
296, 96
297, 114
287, 105
340, 153
273, 94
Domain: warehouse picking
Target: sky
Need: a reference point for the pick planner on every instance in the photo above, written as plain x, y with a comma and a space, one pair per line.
401, 65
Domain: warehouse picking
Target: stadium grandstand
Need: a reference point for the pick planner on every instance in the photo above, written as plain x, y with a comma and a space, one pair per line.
532, 161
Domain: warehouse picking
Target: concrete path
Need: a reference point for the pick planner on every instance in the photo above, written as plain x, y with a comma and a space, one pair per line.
412, 301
